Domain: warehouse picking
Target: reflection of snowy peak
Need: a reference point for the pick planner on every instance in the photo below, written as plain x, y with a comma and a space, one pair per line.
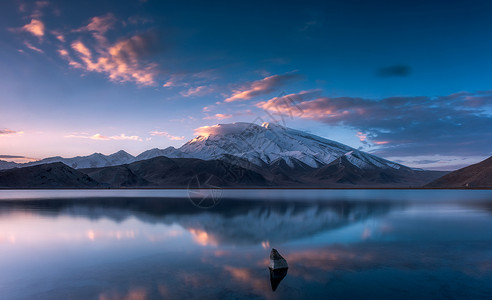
269, 143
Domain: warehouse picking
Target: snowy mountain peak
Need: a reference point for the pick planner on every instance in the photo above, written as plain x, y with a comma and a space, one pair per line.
265, 144
272, 142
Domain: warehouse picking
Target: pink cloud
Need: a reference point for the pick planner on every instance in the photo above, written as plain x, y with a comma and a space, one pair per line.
289, 104
7, 131
197, 91
219, 117
59, 35
30, 46
166, 134
98, 26
81, 49
101, 137
262, 87
362, 136
122, 61
35, 27
221, 129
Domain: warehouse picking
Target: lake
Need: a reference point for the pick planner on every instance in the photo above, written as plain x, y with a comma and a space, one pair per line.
176, 244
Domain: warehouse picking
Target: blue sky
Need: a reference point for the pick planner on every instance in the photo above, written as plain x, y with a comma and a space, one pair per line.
407, 80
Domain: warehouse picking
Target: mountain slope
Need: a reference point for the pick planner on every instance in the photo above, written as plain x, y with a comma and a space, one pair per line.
268, 143
260, 145
54, 175
266, 155
94, 160
475, 176
177, 172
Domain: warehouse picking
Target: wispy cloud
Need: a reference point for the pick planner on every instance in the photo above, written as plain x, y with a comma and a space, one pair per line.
219, 117
194, 84
35, 27
101, 137
197, 91
457, 124
262, 87
7, 131
99, 25
16, 158
166, 134
219, 129
122, 61
30, 46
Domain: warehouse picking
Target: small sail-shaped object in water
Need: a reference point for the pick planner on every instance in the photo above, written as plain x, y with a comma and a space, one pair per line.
276, 276
277, 261
278, 268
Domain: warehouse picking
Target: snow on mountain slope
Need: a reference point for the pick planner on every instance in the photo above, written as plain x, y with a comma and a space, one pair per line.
94, 160
270, 142
170, 152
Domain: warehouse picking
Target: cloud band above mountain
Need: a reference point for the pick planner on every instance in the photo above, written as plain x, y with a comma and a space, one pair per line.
457, 124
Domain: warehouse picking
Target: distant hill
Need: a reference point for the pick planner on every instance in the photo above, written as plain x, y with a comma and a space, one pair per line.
475, 176
53, 175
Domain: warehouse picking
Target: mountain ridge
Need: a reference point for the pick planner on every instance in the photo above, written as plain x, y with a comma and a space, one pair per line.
258, 144
478, 175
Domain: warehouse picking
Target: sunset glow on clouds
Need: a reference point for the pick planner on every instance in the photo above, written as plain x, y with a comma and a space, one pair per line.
159, 70
262, 87
120, 61
101, 137
7, 131
407, 124
219, 117
35, 27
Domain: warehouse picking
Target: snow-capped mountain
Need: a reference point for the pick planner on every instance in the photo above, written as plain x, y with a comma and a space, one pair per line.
155, 152
94, 160
269, 143
260, 145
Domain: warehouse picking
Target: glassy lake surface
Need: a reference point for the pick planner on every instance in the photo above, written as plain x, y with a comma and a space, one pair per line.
340, 244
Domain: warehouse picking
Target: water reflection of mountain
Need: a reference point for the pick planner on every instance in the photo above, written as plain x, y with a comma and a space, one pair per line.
236, 222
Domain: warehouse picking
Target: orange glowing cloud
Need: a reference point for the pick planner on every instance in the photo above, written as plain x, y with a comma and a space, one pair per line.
35, 27
101, 137
262, 87
197, 91
30, 46
362, 137
121, 61
81, 49
7, 131
232, 128
219, 117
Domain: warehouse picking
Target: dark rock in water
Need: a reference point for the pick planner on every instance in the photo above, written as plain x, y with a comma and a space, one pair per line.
277, 261
276, 276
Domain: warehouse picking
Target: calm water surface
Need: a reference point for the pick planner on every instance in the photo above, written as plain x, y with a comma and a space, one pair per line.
152, 244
